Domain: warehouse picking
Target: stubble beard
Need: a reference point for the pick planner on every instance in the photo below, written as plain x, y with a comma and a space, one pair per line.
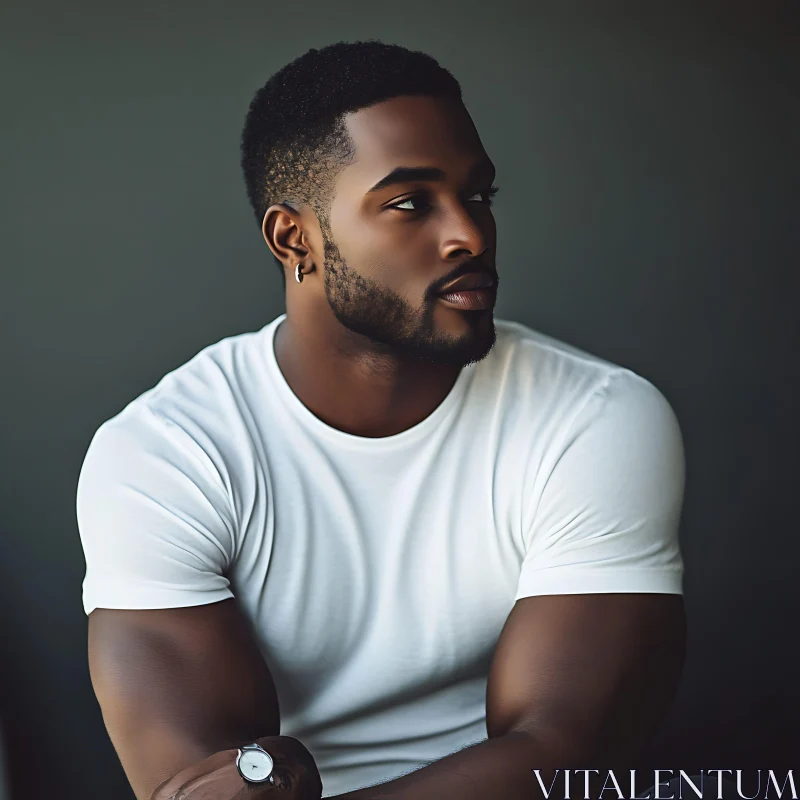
394, 326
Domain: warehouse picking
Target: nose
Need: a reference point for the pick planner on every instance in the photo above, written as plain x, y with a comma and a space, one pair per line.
464, 234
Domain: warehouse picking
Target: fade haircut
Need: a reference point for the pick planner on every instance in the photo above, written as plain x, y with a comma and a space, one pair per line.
294, 141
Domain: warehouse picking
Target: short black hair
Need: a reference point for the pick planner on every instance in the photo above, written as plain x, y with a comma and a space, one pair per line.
294, 140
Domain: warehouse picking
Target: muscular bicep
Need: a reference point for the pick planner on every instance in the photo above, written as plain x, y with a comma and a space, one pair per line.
590, 675
176, 685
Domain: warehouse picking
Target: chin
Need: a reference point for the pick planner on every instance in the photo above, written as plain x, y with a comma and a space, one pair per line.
469, 347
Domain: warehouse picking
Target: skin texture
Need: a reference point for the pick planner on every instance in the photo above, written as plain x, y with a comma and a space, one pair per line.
577, 681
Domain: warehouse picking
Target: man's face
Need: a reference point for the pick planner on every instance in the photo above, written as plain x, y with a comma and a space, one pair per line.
389, 251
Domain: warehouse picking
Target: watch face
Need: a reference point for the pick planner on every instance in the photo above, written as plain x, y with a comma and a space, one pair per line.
255, 765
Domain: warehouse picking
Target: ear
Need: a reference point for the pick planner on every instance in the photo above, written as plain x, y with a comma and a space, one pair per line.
284, 234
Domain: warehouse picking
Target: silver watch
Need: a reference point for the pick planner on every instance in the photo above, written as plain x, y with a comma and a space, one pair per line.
255, 764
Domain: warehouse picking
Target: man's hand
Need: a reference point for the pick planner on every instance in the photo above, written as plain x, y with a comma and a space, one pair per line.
216, 777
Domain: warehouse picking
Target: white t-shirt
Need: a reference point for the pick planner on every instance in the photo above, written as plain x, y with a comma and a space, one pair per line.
378, 572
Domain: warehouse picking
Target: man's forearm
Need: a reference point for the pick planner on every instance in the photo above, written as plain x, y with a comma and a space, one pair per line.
216, 778
500, 767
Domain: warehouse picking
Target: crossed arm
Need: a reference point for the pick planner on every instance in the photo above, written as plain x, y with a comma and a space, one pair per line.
577, 681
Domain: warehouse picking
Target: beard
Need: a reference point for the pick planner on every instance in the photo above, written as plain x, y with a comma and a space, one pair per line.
392, 324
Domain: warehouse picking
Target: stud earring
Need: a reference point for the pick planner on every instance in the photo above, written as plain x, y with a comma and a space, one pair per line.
298, 276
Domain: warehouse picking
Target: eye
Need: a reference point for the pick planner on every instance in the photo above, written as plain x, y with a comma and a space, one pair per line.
486, 195
415, 199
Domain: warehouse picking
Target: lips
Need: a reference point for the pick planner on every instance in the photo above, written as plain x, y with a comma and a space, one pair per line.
474, 291
469, 282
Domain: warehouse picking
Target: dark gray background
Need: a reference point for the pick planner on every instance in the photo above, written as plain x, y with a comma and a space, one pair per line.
647, 158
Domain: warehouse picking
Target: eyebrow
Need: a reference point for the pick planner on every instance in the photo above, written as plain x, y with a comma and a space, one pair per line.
407, 174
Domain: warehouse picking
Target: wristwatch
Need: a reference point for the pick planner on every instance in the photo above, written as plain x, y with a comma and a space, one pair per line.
255, 764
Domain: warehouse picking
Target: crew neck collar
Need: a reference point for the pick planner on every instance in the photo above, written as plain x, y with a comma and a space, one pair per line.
411, 435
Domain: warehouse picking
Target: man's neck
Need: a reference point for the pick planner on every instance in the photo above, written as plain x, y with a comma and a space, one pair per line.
353, 387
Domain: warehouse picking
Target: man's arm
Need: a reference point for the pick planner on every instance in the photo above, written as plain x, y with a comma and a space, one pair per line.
578, 681
180, 689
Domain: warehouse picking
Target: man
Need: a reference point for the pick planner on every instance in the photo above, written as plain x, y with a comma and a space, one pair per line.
407, 551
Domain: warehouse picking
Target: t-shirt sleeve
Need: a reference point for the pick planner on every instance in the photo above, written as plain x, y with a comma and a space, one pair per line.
153, 516
607, 517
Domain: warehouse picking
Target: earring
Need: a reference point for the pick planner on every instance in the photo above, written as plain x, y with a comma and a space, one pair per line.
298, 276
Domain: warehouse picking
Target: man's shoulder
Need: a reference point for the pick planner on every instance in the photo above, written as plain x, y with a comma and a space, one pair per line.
535, 376
206, 391
528, 355
543, 392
